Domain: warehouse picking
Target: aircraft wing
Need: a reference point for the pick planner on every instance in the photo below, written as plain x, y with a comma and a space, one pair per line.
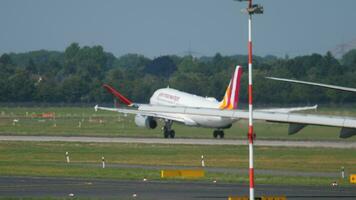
160, 115
287, 110
296, 121
177, 118
125, 111
314, 84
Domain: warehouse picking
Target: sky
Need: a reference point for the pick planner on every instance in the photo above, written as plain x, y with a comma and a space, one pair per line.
161, 27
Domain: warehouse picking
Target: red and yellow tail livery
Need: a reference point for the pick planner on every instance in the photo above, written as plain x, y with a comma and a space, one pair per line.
231, 97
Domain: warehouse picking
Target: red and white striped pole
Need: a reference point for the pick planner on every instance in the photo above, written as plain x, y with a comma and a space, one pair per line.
252, 9
250, 120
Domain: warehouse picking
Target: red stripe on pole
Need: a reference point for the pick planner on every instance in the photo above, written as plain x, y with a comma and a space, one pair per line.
250, 129
250, 134
252, 182
250, 94
250, 52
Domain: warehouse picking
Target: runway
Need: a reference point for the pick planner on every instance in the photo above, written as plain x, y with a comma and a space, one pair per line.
157, 190
239, 171
272, 143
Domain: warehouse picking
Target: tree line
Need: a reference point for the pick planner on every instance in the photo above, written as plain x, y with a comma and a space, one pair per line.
77, 74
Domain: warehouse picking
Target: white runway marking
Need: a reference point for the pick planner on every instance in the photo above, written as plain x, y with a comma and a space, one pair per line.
273, 143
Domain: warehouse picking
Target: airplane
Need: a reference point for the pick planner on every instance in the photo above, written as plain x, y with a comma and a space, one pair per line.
296, 121
172, 97
348, 89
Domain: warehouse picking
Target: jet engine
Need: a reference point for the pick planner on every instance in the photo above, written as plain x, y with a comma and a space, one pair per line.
145, 122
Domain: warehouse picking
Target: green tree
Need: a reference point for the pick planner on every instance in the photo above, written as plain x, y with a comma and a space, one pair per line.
132, 61
70, 58
21, 86
74, 89
47, 91
161, 66
31, 67
188, 64
349, 60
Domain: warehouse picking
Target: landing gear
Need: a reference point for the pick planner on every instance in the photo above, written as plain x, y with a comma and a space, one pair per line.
218, 133
168, 132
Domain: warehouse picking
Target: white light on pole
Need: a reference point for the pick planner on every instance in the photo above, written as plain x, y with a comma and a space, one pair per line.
103, 162
67, 157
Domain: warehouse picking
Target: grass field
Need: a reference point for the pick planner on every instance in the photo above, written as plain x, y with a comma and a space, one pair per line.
104, 123
39, 198
45, 198
47, 159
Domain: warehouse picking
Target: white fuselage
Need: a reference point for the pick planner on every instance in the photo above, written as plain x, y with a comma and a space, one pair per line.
172, 97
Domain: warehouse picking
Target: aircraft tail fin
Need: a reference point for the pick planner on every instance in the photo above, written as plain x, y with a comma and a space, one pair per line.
118, 95
231, 97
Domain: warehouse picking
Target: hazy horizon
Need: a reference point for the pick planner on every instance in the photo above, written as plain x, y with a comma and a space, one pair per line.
161, 27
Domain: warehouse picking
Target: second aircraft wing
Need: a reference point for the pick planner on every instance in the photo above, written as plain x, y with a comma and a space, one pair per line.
297, 121
336, 87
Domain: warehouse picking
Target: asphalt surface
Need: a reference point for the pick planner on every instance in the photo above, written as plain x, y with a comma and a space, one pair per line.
312, 144
156, 190
147, 190
238, 171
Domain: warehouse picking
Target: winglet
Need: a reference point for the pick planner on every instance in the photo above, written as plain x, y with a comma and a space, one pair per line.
118, 95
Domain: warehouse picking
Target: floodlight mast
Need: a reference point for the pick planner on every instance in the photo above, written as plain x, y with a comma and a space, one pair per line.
251, 10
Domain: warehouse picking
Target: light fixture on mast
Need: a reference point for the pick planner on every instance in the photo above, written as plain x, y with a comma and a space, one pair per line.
255, 9
252, 8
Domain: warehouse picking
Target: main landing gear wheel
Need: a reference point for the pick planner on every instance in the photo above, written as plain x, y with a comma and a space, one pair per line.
172, 133
168, 132
218, 133
165, 133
